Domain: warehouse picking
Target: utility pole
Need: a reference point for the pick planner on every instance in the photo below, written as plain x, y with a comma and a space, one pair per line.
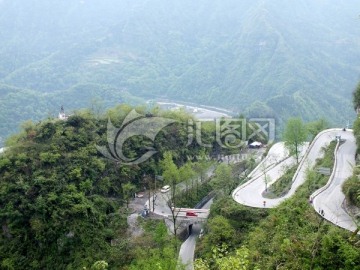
149, 187
154, 194
156, 178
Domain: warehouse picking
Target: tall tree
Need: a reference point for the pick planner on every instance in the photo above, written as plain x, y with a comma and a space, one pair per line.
202, 164
128, 191
187, 174
317, 126
223, 181
356, 97
171, 177
264, 170
200, 167
170, 170
224, 260
295, 136
219, 232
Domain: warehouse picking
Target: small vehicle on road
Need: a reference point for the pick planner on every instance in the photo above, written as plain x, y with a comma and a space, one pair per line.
191, 214
165, 189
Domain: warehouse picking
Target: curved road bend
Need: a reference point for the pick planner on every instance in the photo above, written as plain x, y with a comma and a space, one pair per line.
251, 194
276, 154
330, 200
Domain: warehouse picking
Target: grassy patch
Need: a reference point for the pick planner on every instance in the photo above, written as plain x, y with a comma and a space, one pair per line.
282, 185
194, 195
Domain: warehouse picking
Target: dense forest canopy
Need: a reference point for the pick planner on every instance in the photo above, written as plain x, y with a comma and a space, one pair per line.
267, 58
63, 205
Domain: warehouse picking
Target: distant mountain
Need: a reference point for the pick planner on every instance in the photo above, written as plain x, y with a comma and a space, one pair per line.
271, 58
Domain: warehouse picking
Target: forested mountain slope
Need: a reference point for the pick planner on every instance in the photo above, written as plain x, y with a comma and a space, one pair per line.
260, 57
63, 205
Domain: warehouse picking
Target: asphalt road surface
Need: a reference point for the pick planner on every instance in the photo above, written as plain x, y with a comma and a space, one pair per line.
187, 249
161, 199
329, 199
271, 168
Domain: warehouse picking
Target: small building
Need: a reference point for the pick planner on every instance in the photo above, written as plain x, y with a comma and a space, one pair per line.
62, 115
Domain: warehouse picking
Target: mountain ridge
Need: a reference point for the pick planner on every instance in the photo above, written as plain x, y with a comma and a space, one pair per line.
252, 57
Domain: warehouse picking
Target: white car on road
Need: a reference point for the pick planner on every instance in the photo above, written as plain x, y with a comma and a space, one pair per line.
165, 189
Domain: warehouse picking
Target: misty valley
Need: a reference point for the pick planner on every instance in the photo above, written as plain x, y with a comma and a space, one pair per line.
198, 135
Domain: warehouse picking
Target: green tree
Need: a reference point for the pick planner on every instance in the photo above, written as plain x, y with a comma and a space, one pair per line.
224, 260
62, 203
356, 97
170, 170
317, 126
219, 231
161, 235
223, 181
267, 179
128, 191
100, 265
295, 135
186, 175
202, 165
155, 259
357, 134
171, 176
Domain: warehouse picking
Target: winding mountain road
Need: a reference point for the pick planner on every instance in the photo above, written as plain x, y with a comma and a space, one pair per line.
271, 168
329, 198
